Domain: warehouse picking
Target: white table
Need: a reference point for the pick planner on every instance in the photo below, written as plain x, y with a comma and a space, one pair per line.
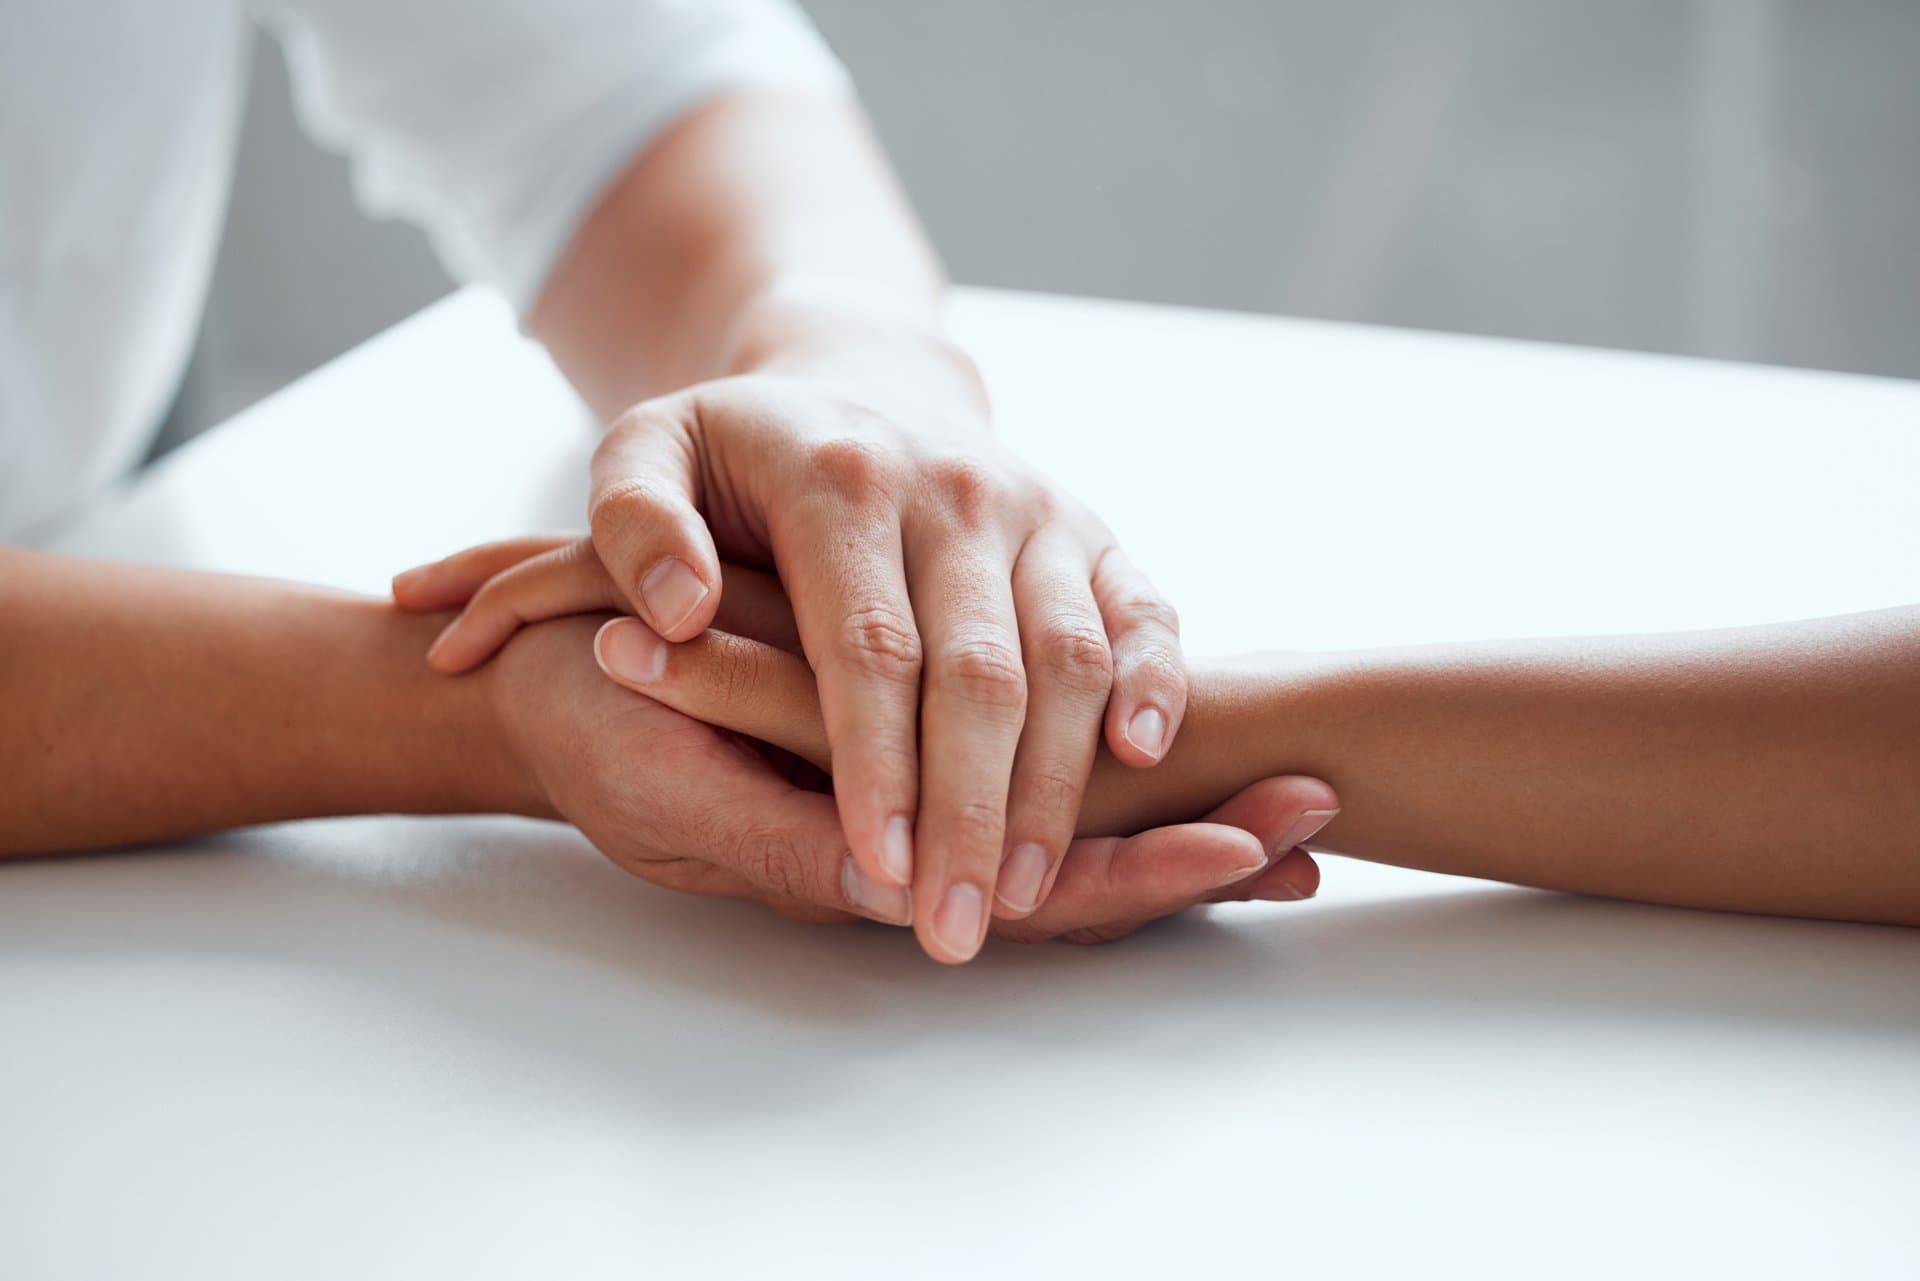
471, 1049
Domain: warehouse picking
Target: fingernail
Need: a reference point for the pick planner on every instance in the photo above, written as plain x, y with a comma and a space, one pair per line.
1242, 873
889, 903
407, 578
1304, 829
1280, 892
1020, 878
958, 923
896, 849
629, 651
672, 592
1148, 731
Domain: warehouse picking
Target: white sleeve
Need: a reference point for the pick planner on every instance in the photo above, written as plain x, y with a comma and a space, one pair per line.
496, 124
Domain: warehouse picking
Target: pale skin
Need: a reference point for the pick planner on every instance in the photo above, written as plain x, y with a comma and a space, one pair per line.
754, 310
1769, 769
147, 705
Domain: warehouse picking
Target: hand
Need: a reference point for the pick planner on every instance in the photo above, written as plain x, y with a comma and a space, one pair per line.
693, 808
971, 625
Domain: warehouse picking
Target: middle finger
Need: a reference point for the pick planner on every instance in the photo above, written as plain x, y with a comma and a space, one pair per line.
1070, 671
973, 703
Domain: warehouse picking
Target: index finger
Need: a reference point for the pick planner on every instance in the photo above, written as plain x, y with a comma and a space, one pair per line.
643, 507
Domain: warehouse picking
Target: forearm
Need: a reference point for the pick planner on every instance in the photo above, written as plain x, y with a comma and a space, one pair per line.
1771, 769
142, 704
761, 232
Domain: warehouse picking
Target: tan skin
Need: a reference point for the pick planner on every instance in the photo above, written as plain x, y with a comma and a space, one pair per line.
1766, 769
146, 705
753, 308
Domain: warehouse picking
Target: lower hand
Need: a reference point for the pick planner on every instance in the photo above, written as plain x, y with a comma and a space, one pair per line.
691, 807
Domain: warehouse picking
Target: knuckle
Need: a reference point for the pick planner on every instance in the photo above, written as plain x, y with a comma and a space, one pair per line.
771, 858
986, 672
1078, 656
853, 468
1157, 666
624, 510
1044, 504
735, 673
965, 487
976, 824
1144, 609
1056, 788
880, 641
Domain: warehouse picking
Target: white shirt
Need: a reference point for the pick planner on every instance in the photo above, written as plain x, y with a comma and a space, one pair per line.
493, 123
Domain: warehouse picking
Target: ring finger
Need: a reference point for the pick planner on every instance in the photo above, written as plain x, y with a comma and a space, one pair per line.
1070, 674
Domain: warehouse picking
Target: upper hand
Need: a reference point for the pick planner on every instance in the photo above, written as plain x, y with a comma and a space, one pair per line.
972, 626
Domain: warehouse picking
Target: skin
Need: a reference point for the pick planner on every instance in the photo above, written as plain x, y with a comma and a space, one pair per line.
1765, 769
756, 312
146, 705
754, 309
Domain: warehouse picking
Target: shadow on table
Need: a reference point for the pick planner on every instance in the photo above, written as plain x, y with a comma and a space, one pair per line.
519, 931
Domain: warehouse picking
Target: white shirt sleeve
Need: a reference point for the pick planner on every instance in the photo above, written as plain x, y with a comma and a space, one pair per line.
496, 124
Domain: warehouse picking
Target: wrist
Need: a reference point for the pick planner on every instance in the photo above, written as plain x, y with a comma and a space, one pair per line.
508, 781
536, 691
513, 781
455, 751
890, 345
1247, 719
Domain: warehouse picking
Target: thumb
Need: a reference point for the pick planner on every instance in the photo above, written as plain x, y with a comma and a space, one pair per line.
647, 527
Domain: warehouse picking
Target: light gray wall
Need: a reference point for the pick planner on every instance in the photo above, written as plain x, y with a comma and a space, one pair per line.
1728, 177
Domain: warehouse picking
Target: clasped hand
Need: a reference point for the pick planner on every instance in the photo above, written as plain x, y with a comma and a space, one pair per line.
975, 635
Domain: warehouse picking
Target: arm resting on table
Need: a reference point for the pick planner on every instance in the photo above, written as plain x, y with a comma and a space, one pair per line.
1763, 769
144, 704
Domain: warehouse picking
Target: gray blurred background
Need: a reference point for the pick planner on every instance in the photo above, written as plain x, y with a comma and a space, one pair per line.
1733, 178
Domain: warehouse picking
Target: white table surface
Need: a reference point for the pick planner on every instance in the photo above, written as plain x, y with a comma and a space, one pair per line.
382, 1047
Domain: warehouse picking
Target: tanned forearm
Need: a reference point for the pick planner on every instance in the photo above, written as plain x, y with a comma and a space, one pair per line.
144, 704
762, 232
1770, 769
1764, 769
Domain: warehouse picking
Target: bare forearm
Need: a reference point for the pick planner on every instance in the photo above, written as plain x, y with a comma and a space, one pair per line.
142, 704
1771, 769
761, 231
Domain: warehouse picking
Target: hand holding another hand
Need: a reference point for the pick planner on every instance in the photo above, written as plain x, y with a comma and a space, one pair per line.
692, 807
973, 627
